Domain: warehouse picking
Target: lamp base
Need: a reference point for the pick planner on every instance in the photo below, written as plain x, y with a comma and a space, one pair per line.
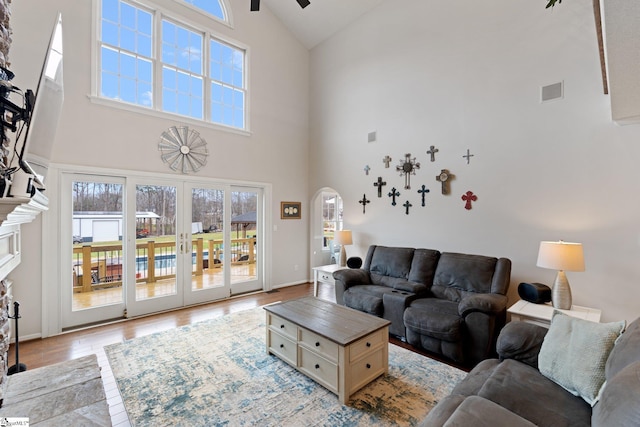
343, 257
561, 293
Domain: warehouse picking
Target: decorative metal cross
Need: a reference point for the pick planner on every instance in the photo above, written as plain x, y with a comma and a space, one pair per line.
469, 197
393, 194
364, 202
407, 205
407, 167
468, 156
386, 161
379, 184
444, 178
432, 152
367, 169
424, 190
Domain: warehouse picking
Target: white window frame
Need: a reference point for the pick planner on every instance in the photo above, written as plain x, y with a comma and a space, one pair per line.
178, 18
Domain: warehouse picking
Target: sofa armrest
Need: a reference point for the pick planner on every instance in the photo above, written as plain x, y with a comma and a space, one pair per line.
521, 341
346, 278
491, 304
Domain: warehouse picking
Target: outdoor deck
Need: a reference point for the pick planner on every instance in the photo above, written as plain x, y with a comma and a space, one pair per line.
208, 279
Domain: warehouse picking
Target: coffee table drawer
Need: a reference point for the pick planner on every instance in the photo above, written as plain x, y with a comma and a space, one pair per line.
283, 347
319, 344
367, 369
283, 327
366, 345
319, 368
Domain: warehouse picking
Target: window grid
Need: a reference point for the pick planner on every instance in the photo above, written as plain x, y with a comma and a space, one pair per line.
126, 53
127, 62
182, 76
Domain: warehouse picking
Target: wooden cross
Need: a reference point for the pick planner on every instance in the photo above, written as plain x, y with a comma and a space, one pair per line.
386, 161
469, 197
379, 184
364, 202
432, 152
444, 178
393, 194
408, 167
367, 169
468, 156
407, 205
424, 190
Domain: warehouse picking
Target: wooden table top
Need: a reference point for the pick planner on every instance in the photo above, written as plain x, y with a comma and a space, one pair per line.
342, 325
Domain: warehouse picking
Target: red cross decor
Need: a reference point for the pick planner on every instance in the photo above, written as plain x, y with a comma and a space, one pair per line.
469, 197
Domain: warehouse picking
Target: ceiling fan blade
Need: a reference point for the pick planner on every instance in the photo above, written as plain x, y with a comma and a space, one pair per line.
255, 5
304, 3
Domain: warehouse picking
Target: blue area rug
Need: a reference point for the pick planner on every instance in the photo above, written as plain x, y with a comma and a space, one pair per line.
218, 373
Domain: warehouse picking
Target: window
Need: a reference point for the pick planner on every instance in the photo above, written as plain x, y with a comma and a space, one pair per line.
150, 58
331, 217
126, 53
211, 7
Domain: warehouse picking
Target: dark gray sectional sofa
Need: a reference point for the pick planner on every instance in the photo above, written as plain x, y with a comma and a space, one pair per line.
448, 303
512, 391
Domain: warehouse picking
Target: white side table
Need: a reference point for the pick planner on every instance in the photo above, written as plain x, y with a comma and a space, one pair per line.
324, 274
541, 314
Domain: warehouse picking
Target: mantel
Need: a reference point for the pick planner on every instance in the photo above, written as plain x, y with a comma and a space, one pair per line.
22, 210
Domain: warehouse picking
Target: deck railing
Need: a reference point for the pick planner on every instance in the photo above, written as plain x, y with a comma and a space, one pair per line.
154, 261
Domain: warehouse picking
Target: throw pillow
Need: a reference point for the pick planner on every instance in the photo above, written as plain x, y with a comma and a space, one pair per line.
574, 353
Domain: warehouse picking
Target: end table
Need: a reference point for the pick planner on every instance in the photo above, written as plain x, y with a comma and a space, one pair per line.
324, 274
541, 314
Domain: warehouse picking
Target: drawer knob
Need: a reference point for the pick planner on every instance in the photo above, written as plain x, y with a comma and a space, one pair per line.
368, 366
281, 345
281, 326
317, 344
317, 366
368, 344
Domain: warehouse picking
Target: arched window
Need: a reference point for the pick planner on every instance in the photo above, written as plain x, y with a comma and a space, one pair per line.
212, 7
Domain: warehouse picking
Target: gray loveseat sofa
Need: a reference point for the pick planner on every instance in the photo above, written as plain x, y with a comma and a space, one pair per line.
511, 391
448, 303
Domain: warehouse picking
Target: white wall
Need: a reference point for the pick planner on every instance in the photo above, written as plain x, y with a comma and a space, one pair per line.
94, 135
467, 74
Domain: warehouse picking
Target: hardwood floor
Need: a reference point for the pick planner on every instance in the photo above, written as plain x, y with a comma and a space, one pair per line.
71, 345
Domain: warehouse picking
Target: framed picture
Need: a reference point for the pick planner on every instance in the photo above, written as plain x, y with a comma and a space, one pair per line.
290, 210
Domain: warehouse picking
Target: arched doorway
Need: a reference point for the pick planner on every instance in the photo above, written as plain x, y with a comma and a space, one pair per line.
326, 217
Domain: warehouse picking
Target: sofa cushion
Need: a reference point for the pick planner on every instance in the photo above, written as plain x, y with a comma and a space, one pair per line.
392, 262
363, 301
478, 412
457, 274
574, 353
625, 351
436, 318
423, 266
618, 404
523, 390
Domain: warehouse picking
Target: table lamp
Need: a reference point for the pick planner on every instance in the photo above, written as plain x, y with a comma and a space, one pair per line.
561, 256
343, 238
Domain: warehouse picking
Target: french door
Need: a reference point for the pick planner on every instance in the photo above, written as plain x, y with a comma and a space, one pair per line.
156, 244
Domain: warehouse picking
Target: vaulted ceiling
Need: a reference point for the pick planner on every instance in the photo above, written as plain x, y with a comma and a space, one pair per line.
321, 19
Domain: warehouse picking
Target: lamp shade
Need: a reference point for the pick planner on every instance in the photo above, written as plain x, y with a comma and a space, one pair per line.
561, 255
343, 237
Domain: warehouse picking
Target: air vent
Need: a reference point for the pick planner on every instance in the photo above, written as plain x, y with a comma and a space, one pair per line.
552, 92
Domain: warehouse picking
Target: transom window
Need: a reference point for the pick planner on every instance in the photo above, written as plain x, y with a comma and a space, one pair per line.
153, 60
212, 7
